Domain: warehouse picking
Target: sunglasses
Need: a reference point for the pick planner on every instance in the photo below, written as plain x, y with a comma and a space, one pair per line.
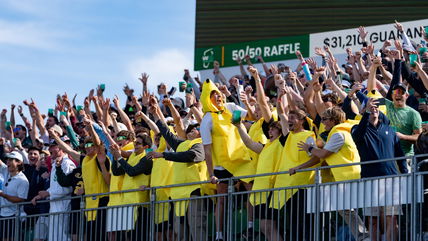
121, 138
399, 91
89, 144
7, 183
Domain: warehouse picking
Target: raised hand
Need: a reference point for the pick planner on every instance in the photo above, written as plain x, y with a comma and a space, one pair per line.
311, 62
377, 62
320, 52
106, 104
370, 49
386, 44
253, 71
279, 81
398, 26
274, 69
167, 102
52, 133
116, 101
223, 89
144, 77
20, 110
248, 90
243, 97
362, 32
91, 94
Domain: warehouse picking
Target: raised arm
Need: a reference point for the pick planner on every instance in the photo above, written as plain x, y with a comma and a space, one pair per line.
148, 121
283, 115
91, 130
261, 97
123, 116
12, 116
179, 126
252, 145
66, 148
422, 74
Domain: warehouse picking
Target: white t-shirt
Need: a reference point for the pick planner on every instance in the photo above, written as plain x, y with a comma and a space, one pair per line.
55, 190
207, 125
17, 186
335, 143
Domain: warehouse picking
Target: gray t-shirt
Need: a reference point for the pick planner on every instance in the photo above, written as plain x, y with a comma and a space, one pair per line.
335, 142
16, 186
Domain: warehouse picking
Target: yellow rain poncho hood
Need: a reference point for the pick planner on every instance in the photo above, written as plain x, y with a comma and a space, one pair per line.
207, 105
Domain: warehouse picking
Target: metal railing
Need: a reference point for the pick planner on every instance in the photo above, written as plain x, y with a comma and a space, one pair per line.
378, 208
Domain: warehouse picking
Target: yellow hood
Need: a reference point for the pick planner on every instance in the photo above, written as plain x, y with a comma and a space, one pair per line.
207, 105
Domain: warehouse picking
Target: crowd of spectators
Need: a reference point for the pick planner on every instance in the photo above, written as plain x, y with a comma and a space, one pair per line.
373, 107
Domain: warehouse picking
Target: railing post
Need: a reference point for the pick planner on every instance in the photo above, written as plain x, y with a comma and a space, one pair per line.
229, 208
16, 229
81, 217
152, 213
414, 199
317, 204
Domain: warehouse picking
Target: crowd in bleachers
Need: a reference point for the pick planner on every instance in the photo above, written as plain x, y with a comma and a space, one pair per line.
287, 119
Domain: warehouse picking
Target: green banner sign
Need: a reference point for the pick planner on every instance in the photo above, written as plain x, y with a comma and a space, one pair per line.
271, 50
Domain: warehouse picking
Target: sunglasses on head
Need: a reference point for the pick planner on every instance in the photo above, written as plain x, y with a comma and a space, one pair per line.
121, 138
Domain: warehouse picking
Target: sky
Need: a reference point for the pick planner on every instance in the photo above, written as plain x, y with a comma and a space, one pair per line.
49, 47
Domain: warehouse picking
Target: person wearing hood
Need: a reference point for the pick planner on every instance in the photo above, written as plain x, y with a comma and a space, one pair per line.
225, 153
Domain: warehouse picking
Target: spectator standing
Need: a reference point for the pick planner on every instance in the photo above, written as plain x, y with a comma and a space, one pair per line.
376, 140
38, 178
14, 190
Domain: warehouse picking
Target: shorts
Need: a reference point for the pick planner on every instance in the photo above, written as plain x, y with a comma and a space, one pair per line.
222, 174
380, 211
41, 228
120, 218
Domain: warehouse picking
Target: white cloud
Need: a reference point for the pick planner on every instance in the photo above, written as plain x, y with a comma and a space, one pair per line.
29, 34
165, 66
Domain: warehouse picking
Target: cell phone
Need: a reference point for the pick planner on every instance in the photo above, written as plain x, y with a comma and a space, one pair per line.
172, 91
236, 116
426, 31
422, 101
102, 87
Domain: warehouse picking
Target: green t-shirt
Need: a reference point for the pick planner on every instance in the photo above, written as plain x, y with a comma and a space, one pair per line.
405, 120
